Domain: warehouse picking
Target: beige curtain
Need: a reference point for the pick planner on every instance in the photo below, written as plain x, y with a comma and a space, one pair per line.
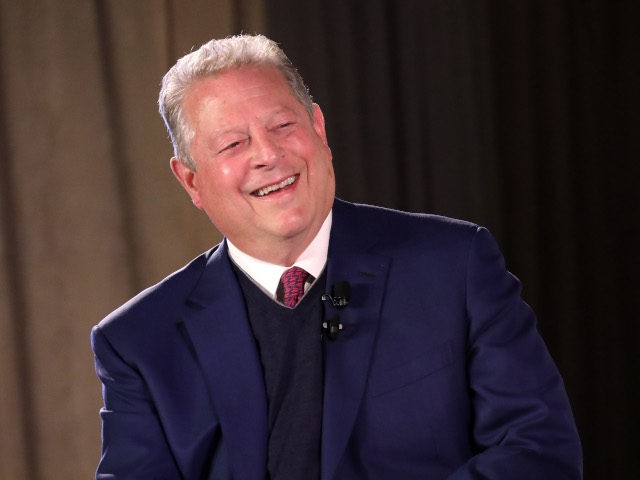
90, 213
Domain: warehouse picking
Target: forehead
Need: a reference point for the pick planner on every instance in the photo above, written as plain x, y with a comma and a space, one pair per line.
240, 83
239, 93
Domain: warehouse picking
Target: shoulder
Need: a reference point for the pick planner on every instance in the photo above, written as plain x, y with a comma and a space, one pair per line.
394, 228
157, 302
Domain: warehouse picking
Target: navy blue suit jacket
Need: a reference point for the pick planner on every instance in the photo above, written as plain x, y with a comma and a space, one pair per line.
438, 373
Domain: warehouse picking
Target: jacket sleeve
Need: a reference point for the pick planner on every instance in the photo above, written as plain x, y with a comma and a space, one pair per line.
133, 443
522, 425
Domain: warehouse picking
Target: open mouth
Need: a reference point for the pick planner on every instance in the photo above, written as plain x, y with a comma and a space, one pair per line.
275, 187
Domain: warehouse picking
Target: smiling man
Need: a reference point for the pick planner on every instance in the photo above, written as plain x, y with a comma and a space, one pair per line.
320, 339
263, 168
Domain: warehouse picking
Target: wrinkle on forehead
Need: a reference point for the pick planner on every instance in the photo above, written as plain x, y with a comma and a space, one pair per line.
211, 95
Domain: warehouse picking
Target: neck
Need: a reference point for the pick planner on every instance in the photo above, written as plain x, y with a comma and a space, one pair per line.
283, 253
286, 251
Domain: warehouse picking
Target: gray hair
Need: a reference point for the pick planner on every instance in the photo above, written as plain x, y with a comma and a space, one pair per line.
214, 57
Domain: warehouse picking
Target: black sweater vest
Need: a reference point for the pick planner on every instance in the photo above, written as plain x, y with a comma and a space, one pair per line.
290, 348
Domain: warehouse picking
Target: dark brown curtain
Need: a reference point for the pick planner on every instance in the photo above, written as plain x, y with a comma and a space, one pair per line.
519, 115
89, 211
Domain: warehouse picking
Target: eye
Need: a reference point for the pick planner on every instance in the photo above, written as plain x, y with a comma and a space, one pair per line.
230, 146
284, 127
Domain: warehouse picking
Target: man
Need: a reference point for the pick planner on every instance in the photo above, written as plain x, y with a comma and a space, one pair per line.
427, 366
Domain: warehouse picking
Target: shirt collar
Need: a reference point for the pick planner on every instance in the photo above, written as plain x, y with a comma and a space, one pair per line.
267, 275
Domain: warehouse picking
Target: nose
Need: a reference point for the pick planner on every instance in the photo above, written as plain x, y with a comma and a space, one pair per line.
267, 151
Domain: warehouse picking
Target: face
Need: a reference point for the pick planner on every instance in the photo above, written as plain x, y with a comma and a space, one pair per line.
264, 172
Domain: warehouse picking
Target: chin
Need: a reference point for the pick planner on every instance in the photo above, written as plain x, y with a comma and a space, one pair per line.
292, 227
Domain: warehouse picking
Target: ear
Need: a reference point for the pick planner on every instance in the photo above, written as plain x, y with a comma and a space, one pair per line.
318, 123
188, 179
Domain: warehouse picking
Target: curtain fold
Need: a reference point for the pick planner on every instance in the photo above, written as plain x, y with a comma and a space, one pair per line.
521, 116
90, 212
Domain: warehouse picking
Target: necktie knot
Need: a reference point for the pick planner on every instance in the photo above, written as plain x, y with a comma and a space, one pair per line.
293, 281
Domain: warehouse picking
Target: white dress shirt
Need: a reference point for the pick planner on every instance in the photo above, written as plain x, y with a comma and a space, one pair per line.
267, 275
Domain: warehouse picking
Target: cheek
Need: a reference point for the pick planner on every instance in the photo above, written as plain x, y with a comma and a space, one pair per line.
323, 165
225, 175
229, 172
218, 181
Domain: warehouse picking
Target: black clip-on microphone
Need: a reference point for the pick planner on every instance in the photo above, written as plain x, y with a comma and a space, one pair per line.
339, 298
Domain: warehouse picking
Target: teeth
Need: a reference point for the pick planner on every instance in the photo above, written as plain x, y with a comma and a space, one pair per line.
272, 188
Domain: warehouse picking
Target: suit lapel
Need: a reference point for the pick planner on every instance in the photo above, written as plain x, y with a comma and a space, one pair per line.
219, 330
348, 357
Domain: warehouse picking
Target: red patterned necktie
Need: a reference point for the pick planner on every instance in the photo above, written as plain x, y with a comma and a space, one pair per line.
293, 285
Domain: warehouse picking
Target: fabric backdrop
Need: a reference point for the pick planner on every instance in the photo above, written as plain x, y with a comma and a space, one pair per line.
521, 115
90, 213
515, 114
